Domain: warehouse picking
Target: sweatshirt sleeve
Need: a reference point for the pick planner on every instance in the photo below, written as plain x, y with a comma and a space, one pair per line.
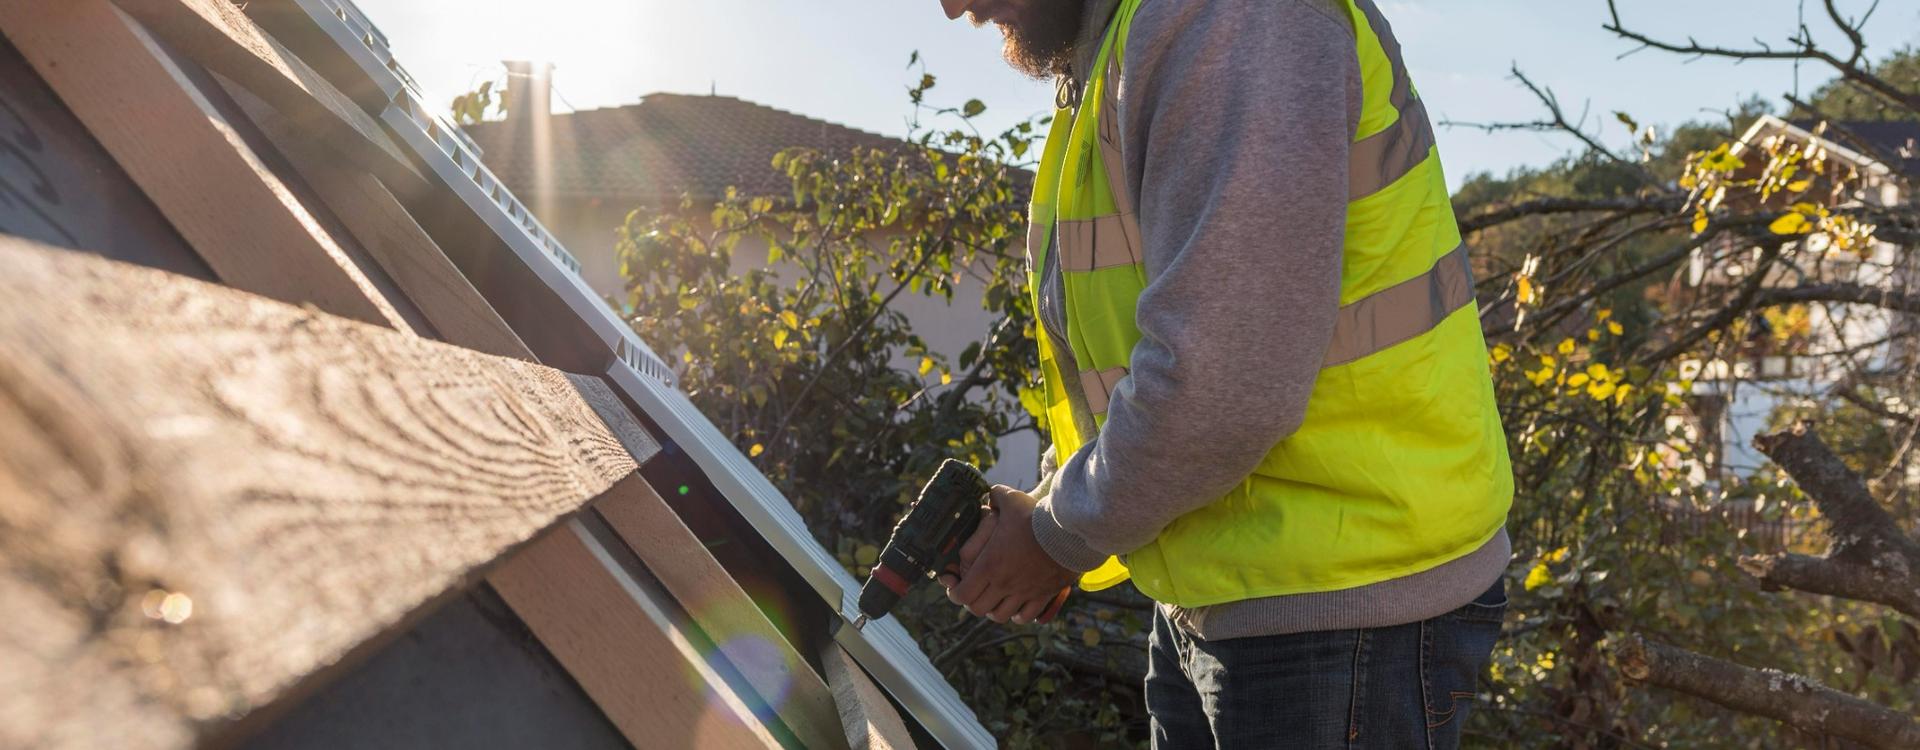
1237, 119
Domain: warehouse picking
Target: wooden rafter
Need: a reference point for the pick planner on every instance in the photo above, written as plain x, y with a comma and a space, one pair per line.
186, 155
218, 35
208, 498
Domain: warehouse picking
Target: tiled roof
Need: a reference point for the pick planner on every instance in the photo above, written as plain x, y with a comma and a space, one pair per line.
666, 145
1897, 140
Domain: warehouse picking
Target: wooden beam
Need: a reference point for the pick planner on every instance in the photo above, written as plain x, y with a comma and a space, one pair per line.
188, 158
219, 36
724, 611
865, 714
375, 217
618, 641
208, 498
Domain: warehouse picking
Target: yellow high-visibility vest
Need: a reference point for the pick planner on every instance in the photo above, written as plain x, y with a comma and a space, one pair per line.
1401, 464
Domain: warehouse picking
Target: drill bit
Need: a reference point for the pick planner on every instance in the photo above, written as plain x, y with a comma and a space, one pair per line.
860, 623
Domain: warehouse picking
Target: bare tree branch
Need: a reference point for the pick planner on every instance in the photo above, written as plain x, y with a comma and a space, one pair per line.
1863, 532
1817, 575
1804, 49
1550, 206
1792, 699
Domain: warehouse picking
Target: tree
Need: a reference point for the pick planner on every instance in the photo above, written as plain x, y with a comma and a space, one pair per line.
807, 362
1625, 293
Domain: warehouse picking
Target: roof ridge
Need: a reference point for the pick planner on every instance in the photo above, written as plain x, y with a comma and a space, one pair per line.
632, 108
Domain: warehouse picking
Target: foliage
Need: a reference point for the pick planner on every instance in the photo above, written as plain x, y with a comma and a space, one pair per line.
1626, 296
1843, 100
486, 100
784, 314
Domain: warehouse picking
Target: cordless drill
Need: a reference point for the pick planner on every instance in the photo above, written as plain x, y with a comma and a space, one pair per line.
928, 538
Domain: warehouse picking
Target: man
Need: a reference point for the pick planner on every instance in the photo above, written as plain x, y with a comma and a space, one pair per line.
1266, 384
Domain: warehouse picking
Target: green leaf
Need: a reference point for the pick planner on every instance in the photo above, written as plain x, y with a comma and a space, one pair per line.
972, 108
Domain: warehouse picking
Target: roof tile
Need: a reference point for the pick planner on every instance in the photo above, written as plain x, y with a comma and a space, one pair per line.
666, 145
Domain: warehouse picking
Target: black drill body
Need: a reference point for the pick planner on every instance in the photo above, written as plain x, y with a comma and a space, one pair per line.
928, 538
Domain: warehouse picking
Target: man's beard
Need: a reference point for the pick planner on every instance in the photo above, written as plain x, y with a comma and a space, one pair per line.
1040, 43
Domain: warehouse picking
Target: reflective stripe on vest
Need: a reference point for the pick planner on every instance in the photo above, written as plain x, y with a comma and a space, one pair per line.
1365, 326
1400, 462
1098, 385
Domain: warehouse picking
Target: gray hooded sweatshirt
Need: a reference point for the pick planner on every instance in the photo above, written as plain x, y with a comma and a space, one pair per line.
1237, 117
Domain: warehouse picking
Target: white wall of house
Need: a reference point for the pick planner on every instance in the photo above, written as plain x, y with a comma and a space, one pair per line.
1757, 390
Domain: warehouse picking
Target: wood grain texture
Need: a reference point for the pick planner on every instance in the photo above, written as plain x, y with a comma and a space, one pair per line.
867, 718
384, 228
188, 158
615, 638
724, 611
298, 483
221, 37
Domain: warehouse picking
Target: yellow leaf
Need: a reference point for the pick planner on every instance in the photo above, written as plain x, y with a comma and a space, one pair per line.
946, 378
926, 365
1538, 577
1578, 379
1620, 394
1613, 327
1600, 390
1700, 222
1603, 314
755, 452
787, 317
1501, 352
1593, 334
1525, 294
686, 357
1598, 371
1790, 224
1566, 346
1800, 185
1559, 555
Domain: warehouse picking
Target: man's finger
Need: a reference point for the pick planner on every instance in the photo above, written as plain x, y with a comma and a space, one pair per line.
1032, 611
993, 606
977, 542
969, 589
949, 580
1006, 609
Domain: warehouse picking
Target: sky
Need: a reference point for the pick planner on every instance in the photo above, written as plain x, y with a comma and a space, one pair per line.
846, 60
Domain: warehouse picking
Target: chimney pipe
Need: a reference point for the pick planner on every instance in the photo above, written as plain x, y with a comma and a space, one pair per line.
529, 89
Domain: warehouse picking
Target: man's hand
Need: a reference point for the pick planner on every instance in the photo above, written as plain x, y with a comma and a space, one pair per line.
1005, 574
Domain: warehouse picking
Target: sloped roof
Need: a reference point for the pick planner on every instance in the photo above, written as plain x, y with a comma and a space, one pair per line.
1896, 141
666, 145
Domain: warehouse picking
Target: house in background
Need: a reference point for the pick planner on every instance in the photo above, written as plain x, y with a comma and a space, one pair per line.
1736, 398
583, 172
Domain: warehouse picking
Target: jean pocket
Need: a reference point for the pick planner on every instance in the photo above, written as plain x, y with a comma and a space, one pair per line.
1455, 652
1488, 607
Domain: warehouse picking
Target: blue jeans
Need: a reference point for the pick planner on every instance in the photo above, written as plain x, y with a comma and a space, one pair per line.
1406, 686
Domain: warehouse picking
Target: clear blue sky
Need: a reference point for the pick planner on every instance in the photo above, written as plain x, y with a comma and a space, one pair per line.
845, 60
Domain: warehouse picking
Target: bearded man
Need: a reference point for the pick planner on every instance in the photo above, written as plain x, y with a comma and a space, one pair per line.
1266, 385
